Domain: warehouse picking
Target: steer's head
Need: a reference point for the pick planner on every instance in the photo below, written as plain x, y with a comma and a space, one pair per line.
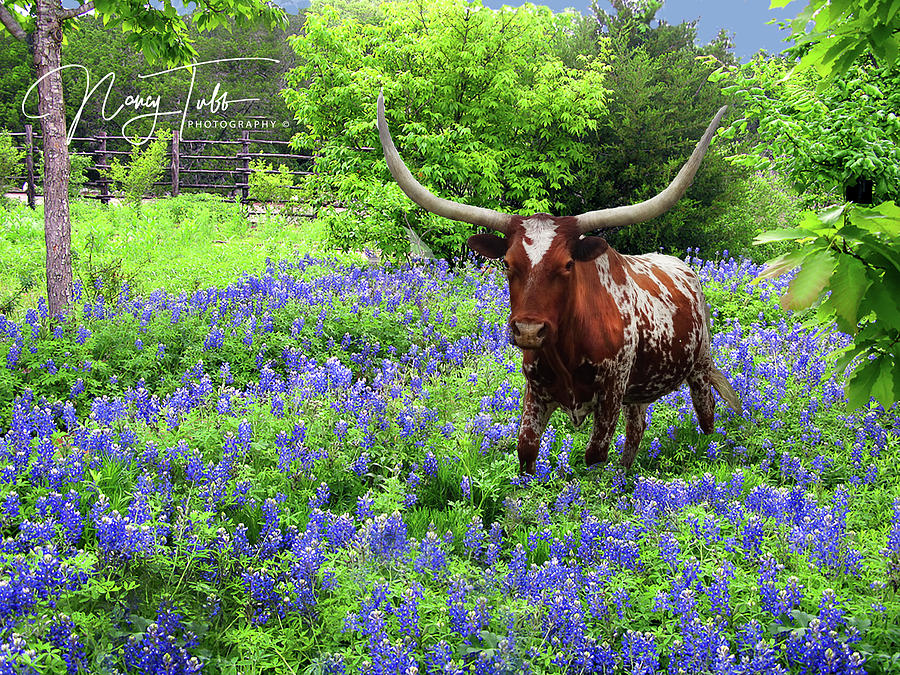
541, 252
541, 256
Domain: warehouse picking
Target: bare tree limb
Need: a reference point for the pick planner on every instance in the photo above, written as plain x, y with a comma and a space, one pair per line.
12, 24
76, 11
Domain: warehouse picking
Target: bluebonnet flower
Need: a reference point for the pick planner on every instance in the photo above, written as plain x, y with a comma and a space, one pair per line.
163, 647
466, 487
718, 591
64, 636
431, 555
892, 548
321, 497
466, 621
640, 654
384, 536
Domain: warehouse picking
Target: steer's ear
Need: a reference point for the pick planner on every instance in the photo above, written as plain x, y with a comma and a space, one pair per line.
588, 248
488, 245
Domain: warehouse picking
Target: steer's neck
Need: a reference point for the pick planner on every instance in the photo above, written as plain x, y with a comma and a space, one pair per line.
592, 320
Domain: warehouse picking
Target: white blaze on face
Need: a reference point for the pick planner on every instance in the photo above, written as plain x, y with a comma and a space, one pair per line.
539, 234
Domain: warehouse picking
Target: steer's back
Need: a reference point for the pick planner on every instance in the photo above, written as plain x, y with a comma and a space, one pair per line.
668, 317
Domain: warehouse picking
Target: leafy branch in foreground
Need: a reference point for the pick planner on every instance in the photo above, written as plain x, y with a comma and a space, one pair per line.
842, 30
853, 252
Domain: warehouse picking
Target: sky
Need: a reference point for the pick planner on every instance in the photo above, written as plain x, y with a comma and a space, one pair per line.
745, 20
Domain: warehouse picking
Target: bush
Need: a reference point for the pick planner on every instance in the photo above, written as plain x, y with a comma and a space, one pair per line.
268, 185
10, 157
146, 167
507, 137
760, 202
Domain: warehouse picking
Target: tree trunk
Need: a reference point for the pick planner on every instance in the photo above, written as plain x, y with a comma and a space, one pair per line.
51, 108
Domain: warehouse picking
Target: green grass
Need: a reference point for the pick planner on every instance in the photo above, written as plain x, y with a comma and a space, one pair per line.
177, 244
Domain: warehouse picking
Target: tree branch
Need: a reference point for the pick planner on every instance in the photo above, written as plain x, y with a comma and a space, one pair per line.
12, 24
76, 11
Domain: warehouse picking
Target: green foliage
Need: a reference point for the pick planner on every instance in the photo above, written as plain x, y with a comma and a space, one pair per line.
78, 166
146, 167
482, 111
853, 252
15, 78
207, 241
660, 103
10, 159
823, 136
102, 49
373, 215
832, 34
268, 184
760, 201
162, 35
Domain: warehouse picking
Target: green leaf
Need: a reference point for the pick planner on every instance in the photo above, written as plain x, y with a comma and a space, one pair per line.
874, 378
849, 353
831, 216
778, 266
782, 234
882, 218
881, 299
806, 287
848, 284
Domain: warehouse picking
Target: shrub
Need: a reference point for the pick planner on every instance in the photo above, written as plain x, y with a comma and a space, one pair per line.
145, 168
269, 185
10, 157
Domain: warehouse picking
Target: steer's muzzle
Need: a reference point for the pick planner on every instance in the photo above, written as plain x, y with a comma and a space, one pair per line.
528, 335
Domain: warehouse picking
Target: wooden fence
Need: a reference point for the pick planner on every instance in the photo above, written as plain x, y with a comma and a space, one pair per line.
186, 160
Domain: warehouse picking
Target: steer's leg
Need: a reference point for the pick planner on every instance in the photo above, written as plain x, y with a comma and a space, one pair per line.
536, 412
703, 399
635, 425
606, 414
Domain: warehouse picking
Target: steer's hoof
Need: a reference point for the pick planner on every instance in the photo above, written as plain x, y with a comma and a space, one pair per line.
526, 467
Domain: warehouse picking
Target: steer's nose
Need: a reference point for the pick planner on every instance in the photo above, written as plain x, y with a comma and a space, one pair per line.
528, 335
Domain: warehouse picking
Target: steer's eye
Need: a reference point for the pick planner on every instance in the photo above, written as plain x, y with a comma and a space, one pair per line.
570, 265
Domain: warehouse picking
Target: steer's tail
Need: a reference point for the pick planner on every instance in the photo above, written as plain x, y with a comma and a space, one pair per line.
721, 384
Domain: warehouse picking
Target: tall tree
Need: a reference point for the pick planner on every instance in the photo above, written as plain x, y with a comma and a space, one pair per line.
479, 100
660, 102
160, 33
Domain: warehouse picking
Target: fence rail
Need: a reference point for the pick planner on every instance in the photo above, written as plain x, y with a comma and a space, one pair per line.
99, 150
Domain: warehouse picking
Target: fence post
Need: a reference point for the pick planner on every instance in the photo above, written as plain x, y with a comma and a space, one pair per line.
104, 164
29, 163
176, 161
245, 150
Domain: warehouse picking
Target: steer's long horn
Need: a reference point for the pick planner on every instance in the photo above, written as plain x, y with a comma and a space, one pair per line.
655, 206
474, 215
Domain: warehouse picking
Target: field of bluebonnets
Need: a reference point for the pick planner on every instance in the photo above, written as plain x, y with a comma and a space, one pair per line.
309, 467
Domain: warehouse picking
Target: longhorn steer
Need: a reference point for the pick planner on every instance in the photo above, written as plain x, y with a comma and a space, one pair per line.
599, 330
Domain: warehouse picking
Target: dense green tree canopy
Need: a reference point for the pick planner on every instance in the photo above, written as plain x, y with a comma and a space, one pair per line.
824, 136
660, 102
482, 105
